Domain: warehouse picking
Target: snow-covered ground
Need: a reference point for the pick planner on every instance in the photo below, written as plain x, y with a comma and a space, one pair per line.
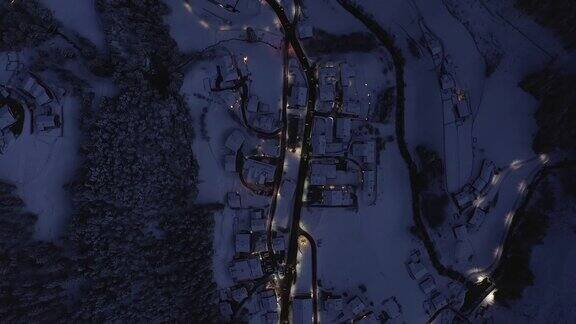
501, 126
40, 166
79, 16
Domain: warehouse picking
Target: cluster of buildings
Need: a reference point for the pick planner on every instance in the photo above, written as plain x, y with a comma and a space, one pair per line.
357, 309
435, 300
264, 303
470, 200
455, 101
232, 80
28, 95
256, 252
338, 91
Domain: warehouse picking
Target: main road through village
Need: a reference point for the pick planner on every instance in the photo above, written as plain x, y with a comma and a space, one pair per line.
295, 230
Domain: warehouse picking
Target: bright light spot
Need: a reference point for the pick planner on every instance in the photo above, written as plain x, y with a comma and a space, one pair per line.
509, 217
480, 278
516, 164
496, 179
204, 24
187, 6
245, 59
479, 201
497, 251
522, 186
490, 298
302, 241
544, 158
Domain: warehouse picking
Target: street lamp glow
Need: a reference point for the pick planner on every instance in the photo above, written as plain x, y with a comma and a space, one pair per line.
490, 298
516, 164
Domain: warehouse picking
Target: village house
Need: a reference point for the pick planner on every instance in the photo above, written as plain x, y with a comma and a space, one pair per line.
235, 140
233, 200
242, 243
37, 90
238, 294
7, 119
257, 172
246, 269
485, 177
298, 97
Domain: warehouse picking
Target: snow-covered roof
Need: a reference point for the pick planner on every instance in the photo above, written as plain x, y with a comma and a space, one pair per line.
460, 232
298, 97
242, 243
417, 270
270, 318
239, 294
327, 92
225, 309
343, 128
477, 217
268, 300
485, 176
247, 269
233, 199
337, 198
38, 91
6, 117
321, 172
230, 163
346, 73
439, 301
391, 308
366, 150
278, 244
356, 306
252, 105
258, 172
45, 122
305, 31
319, 145
464, 197
428, 285
334, 304
235, 140
257, 225
447, 82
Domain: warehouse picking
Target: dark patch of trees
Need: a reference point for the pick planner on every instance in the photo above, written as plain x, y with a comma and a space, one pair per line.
514, 274
556, 115
137, 248
558, 15
429, 183
326, 43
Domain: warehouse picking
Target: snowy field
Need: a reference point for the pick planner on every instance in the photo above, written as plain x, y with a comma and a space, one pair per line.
40, 166
79, 16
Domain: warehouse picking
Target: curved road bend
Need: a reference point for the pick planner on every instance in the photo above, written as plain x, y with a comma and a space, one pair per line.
314, 273
286, 283
395, 52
